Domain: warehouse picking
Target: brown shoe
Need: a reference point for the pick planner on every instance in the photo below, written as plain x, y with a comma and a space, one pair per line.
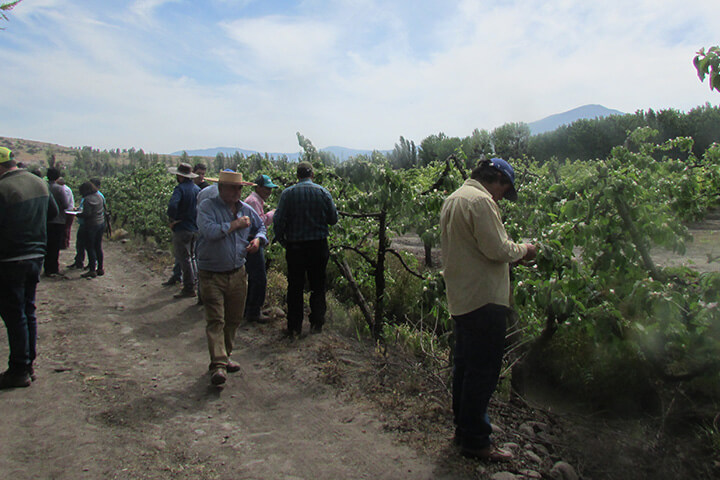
185, 294
490, 453
218, 376
232, 367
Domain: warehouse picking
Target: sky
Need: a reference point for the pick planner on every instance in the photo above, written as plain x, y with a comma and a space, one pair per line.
171, 75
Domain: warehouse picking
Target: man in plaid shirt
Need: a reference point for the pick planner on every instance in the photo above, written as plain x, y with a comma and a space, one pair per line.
303, 215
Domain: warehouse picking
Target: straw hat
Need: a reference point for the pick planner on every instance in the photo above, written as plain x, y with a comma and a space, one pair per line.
232, 178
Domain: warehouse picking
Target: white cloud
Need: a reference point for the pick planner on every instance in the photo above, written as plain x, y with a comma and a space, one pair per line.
358, 74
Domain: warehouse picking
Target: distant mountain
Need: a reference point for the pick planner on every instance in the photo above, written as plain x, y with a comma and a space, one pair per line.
552, 122
341, 153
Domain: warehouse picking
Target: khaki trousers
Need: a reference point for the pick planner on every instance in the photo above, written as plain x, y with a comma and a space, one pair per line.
223, 296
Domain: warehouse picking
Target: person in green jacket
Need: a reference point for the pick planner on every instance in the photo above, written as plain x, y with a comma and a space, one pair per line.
25, 204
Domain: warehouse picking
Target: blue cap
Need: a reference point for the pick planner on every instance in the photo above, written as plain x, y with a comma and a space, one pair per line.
508, 171
264, 181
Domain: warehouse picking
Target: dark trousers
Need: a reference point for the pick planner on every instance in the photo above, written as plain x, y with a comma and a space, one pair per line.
93, 245
479, 346
80, 245
306, 259
18, 281
257, 282
55, 241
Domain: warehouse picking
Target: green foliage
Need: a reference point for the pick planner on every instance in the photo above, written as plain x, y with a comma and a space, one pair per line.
511, 140
707, 64
139, 199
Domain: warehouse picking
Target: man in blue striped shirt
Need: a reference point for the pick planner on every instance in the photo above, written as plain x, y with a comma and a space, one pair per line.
301, 221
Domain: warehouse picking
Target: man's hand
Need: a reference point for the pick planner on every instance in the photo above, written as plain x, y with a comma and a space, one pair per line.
240, 223
531, 252
253, 246
173, 223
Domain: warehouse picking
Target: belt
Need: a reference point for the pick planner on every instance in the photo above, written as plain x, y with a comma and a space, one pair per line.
226, 272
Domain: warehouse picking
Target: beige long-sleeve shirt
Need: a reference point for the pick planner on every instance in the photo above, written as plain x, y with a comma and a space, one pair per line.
476, 250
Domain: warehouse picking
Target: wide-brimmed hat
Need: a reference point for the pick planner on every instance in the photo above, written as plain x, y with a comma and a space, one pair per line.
265, 181
232, 178
184, 170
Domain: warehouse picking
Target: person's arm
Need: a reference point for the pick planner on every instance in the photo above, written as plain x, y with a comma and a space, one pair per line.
279, 220
332, 215
174, 204
261, 232
52, 206
490, 235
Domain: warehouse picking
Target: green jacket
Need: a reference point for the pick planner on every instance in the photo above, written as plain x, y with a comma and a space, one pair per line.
25, 204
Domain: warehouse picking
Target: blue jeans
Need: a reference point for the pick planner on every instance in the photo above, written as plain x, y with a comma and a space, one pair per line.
18, 281
80, 245
257, 283
479, 347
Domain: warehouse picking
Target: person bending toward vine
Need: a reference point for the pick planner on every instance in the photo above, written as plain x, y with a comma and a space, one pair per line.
476, 253
303, 215
225, 224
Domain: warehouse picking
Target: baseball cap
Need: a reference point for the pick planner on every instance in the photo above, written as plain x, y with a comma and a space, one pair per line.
508, 171
5, 154
265, 181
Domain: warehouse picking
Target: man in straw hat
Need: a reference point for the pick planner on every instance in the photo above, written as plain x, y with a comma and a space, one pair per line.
226, 225
25, 204
182, 211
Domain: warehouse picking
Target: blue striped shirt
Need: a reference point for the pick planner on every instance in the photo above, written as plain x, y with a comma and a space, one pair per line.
304, 213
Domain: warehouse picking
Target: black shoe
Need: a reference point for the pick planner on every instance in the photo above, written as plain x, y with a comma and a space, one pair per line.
89, 274
74, 266
290, 334
100, 272
315, 329
10, 379
170, 281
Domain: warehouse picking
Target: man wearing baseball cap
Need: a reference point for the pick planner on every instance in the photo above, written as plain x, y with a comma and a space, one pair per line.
225, 225
476, 253
257, 276
25, 204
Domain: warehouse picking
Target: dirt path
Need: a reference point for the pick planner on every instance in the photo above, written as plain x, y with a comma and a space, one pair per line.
123, 393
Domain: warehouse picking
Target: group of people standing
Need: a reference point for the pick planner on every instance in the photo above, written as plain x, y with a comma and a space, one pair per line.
219, 241
35, 222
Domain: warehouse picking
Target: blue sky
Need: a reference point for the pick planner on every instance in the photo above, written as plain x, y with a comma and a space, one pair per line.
167, 75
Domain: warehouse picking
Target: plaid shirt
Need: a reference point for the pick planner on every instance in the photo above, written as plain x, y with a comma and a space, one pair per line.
304, 213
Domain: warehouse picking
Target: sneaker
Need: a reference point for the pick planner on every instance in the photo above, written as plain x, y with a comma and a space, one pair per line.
100, 272
10, 379
232, 367
491, 453
89, 274
170, 281
218, 376
185, 294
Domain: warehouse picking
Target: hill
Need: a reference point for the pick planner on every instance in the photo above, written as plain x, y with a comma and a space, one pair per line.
552, 122
341, 153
